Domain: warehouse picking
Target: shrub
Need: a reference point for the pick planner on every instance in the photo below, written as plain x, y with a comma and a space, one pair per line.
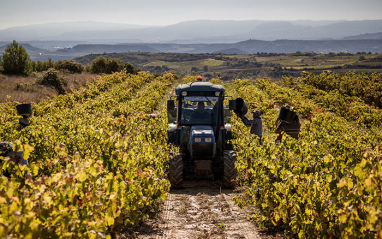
104, 65
53, 79
41, 66
70, 65
129, 68
113, 65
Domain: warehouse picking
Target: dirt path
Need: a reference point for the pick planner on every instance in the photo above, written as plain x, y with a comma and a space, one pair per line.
201, 210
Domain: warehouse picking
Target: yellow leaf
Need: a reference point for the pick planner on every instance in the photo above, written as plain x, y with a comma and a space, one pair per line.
112, 196
343, 218
3, 200
47, 199
82, 176
27, 150
368, 182
56, 177
109, 220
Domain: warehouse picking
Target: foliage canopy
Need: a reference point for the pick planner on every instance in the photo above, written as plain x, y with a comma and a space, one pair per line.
16, 60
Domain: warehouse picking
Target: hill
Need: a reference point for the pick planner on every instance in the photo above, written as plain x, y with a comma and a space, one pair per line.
243, 47
377, 35
100, 48
199, 31
31, 50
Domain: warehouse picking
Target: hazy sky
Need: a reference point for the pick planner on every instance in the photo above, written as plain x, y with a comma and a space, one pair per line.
165, 12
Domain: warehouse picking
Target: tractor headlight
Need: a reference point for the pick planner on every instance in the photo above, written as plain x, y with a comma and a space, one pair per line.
198, 140
184, 93
217, 93
208, 140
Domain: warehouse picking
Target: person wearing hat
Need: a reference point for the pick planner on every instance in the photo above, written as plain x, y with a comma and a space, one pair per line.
256, 124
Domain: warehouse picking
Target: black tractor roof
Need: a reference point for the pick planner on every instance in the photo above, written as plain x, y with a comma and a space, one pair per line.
198, 86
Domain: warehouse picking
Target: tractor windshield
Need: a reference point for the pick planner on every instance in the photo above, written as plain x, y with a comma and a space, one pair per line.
199, 110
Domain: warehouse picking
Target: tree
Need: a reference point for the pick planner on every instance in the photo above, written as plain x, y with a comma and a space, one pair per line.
1, 65
16, 60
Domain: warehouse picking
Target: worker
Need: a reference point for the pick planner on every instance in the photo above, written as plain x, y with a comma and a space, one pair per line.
6, 150
256, 124
291, 128
200, 115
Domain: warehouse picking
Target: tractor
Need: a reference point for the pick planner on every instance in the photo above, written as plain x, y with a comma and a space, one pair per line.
199, 127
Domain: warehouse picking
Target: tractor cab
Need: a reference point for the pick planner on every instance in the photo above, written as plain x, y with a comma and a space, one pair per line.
199, 126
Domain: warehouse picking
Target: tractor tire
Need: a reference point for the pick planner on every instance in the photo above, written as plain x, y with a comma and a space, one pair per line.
229, 171
175, 174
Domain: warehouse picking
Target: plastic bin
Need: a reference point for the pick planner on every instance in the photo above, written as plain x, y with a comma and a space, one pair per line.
241, 107
24, 109
286, 115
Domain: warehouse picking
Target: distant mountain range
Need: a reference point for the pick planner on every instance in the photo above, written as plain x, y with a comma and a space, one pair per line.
377, 35
69, 40
244, 47
199, 31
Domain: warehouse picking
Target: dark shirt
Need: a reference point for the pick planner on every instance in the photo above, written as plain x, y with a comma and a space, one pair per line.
255, 123
200, 117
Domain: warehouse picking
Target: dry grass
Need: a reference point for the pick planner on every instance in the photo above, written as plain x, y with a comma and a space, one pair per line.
25, 89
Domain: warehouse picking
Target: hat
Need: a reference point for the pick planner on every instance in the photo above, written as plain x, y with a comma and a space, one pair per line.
256, 111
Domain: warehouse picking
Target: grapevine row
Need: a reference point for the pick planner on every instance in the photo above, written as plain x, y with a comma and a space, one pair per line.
97, 163
325, 184
366, 87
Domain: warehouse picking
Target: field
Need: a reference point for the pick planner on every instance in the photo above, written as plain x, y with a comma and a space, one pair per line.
261, 65
98, 161
27, 89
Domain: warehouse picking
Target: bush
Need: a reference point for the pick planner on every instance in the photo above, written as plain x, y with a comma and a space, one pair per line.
16, 60
70, 65
40, 66
53, 79
113, 65
129, 68
362, 58
104, 65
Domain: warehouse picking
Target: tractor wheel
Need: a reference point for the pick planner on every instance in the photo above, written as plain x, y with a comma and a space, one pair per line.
175, 174
229, 172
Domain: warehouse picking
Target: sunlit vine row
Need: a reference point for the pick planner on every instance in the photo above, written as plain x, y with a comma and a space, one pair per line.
337, 100
366, 87
92, 171
325, 184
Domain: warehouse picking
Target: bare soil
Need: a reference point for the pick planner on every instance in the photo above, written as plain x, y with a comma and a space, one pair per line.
200, 210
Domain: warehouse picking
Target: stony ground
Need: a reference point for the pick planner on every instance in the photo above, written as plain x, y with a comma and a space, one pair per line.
201, 210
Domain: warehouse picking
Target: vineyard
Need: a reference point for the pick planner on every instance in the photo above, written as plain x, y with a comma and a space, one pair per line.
98, 158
